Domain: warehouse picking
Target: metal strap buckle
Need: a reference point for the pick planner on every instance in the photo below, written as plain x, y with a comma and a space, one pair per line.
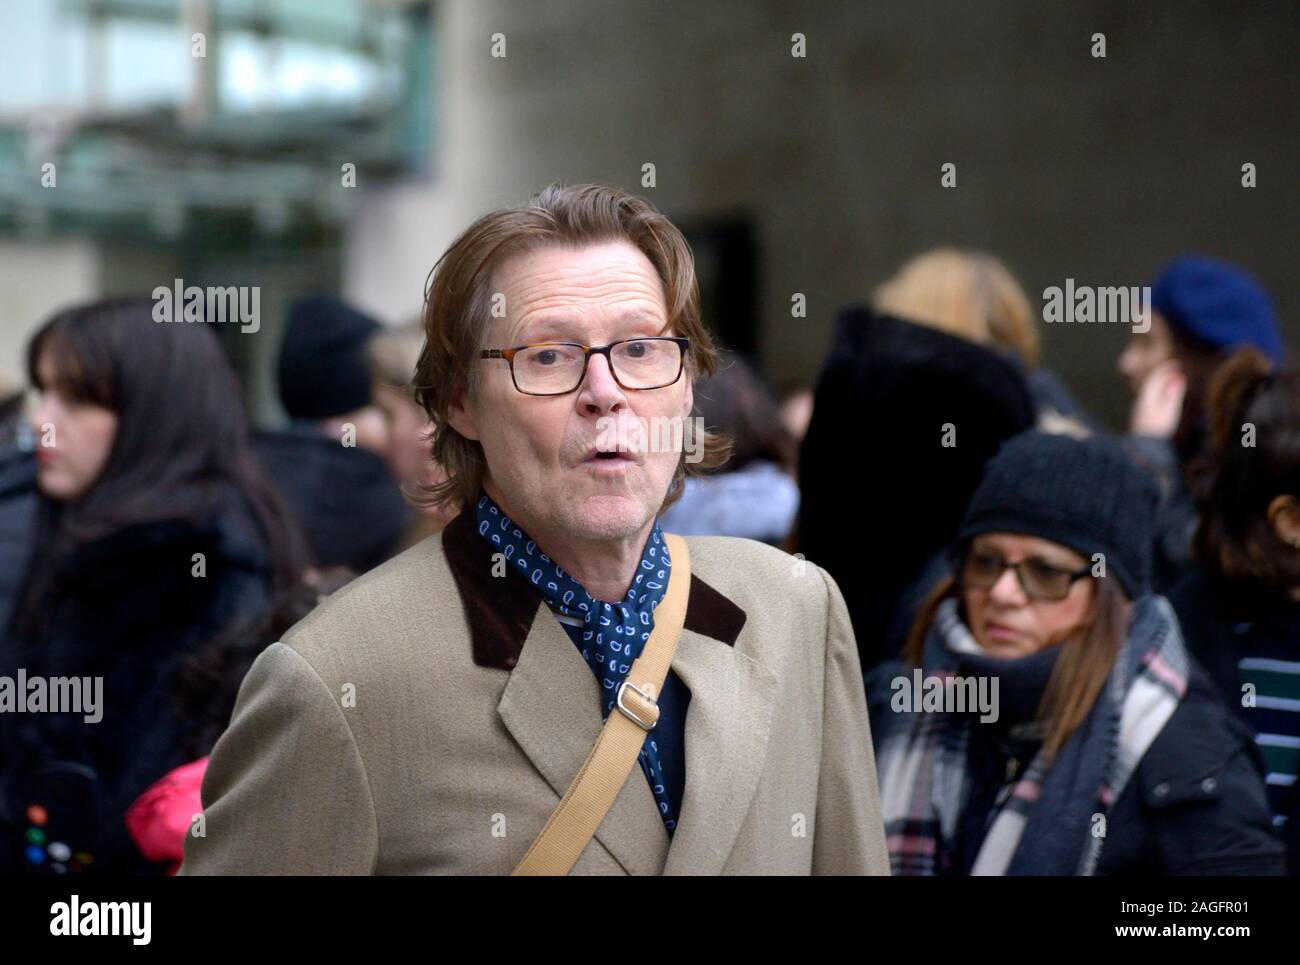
631, 714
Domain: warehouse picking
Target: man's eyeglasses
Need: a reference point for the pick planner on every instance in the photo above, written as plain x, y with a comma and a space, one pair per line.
1038, 578
558, 368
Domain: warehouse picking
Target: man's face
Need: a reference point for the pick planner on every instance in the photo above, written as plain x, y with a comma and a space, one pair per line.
540, 449
1145, 351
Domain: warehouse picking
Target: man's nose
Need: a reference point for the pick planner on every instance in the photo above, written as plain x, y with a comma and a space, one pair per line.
600, 391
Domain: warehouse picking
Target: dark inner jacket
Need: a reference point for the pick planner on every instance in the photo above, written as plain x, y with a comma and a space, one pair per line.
347, 502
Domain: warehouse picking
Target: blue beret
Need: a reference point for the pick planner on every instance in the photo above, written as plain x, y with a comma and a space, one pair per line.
1218, 304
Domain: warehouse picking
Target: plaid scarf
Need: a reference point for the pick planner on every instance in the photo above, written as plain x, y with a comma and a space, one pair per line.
1047, 824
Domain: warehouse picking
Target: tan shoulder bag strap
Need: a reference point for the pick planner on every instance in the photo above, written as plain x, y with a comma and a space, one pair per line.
592, 793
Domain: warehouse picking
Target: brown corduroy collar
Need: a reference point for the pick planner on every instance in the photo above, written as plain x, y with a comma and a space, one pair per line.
500, 610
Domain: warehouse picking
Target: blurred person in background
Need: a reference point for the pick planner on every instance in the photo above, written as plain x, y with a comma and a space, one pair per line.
392, 354
157, 533
796, 412
207, 686
1104, 749
753, 494
904, 420
973, 295
323, 380
329, 463
1240, 605
1202, 310
18, 497
13, 423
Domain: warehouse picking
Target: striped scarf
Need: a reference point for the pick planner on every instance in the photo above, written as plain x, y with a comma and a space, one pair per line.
1049, 823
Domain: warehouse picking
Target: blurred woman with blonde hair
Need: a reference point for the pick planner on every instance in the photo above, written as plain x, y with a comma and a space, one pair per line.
973, 295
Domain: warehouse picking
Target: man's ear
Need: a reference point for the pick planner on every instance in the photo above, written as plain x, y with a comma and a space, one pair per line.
1284, 517
461, 414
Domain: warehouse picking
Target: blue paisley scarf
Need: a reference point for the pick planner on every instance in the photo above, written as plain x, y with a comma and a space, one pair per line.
613, 634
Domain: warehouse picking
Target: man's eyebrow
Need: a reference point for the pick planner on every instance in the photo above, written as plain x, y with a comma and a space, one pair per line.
549, 330
650, 323
560, 328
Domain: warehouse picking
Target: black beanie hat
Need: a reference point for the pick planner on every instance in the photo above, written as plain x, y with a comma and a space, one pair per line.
1085, 494
322, 365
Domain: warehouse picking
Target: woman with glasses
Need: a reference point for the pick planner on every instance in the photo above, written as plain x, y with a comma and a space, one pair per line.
433, 715
1105, 750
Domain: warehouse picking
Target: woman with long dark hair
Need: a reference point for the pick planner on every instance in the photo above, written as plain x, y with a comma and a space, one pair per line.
161, 547
1048, 719
1241, 603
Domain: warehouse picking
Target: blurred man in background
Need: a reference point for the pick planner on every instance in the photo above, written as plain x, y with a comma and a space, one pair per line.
329, 463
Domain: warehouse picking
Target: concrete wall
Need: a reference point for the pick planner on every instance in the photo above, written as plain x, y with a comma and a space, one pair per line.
1067, 166
36, 278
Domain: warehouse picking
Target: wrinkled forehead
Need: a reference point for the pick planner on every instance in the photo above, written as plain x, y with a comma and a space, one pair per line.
578, 293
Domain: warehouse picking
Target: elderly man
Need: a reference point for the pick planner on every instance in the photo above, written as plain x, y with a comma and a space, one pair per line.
553, 684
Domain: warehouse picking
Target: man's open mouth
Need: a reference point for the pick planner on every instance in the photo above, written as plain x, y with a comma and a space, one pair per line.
609, 456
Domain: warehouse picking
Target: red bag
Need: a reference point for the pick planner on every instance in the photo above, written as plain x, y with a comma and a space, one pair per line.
160, 818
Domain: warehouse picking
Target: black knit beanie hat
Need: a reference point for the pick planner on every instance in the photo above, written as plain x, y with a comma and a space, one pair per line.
1085, 494
322, 369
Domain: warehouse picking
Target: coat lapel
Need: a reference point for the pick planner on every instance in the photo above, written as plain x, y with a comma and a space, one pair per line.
551, 706
727, 729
